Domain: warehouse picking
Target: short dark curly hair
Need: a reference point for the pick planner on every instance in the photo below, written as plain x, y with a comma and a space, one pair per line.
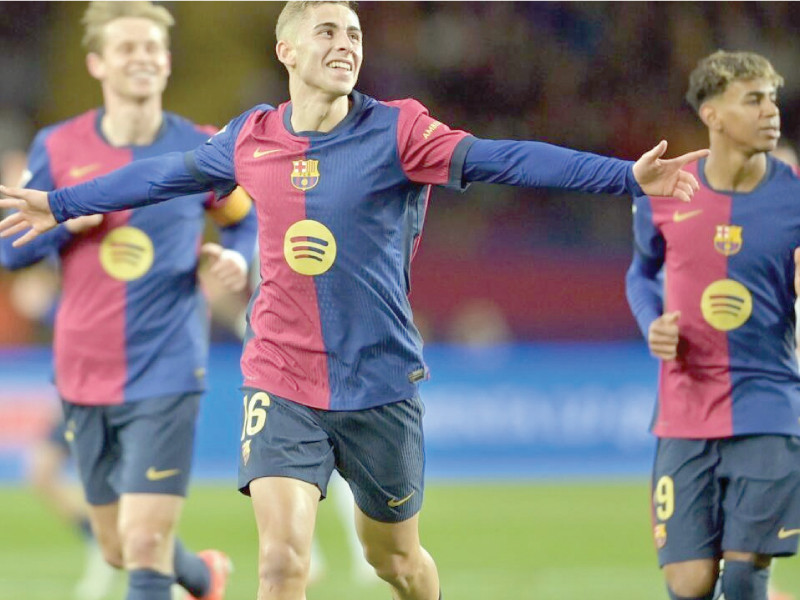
714, 72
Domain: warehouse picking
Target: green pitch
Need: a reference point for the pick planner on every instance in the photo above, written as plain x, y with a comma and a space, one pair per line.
491, 541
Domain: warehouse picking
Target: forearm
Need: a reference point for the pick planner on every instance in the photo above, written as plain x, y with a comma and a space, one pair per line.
140, 183
536, 164
644, 293
38, 249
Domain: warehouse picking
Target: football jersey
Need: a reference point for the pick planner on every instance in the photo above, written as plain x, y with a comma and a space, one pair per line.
728, 267
340, 215
131, 322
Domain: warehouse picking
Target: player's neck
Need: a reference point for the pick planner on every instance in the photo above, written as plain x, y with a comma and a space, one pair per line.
318, 112
731, 170
127, 123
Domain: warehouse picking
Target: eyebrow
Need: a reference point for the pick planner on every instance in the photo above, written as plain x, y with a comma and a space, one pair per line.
335, 26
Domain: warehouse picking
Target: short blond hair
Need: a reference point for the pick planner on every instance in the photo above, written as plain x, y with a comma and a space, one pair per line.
294, 9
100, 14
715, 72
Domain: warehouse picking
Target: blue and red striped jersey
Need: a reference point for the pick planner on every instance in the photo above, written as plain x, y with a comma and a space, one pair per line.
340, 215
131, 321
727, 265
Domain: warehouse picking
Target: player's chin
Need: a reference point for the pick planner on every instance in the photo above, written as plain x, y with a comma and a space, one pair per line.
767, 145
143, 90
343, 88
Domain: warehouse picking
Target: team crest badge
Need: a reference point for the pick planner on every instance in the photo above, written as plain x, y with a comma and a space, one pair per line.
246, 452
728, 239
660, 535
305, 174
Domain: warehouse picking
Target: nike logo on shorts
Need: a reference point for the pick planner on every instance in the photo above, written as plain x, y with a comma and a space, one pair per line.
394, 503
785, 533
155, 475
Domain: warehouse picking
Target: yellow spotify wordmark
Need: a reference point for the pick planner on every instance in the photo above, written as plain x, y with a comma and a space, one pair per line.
126, 253
309, 247
726, 304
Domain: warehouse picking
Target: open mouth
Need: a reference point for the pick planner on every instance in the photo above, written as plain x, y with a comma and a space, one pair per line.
341, 65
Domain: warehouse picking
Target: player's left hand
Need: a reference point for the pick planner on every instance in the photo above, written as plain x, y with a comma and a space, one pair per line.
664, 177
33, 214
227, 266
797, 272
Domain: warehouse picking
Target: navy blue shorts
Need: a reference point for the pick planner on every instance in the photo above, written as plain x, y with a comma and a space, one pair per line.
379, 451
142, 447
735, 494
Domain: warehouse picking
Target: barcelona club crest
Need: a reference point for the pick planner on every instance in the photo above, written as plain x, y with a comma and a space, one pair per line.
305, 174
728, 239
660, 535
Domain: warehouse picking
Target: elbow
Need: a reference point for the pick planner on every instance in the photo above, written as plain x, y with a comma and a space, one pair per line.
12, 259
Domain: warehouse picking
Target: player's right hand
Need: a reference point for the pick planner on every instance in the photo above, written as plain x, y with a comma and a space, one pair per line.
80, 225
33, 215
663, 336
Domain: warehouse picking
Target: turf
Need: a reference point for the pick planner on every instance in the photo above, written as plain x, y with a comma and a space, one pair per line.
545, 541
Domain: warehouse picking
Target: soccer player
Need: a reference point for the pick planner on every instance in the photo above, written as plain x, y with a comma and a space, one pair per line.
332, 359
130, 339
726, 479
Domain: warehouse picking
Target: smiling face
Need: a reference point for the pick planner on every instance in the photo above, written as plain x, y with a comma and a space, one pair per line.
322, 50
134, 61
745, 115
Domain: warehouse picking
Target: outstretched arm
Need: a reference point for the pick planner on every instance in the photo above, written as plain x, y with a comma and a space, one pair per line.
140, 183
537, 164
143, 182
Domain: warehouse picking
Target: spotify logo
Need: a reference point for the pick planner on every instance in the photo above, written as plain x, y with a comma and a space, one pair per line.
726, 304
126, 253
309, 247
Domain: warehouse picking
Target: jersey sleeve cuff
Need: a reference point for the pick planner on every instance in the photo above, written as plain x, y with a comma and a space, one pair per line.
56, 203
631, 184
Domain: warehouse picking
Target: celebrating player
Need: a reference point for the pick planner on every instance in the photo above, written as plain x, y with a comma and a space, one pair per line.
726, 480
332, 359
131, 329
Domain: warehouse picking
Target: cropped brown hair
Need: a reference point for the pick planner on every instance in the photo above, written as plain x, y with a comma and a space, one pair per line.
715, 72
294, 9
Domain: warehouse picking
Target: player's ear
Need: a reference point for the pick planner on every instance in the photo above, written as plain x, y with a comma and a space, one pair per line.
286, 53
94, 64
709, 116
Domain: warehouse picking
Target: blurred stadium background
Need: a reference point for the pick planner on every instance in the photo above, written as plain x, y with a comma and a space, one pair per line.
541, 394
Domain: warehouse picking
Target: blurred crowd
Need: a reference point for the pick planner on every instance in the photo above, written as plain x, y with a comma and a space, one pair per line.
606, 77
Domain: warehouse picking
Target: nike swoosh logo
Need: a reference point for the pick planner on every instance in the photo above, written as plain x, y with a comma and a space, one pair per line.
259, 153
394, 503
682, 216
154, 475
78, 172
785, 533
